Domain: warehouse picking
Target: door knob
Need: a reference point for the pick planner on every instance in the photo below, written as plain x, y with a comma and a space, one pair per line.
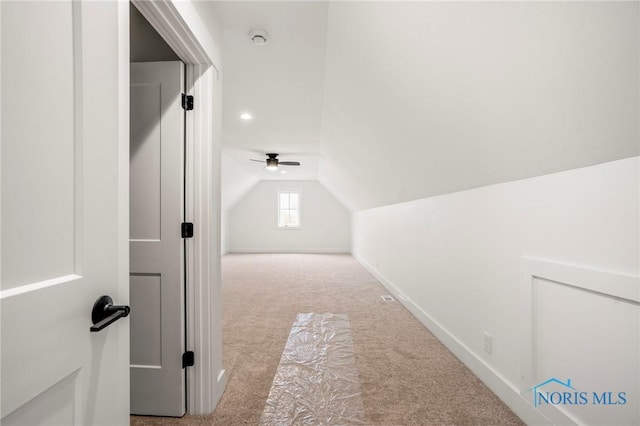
104, 313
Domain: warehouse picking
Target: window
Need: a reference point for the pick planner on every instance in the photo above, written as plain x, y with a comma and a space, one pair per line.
288, 209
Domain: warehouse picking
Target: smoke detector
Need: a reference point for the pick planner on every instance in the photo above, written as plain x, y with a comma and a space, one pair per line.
259, 37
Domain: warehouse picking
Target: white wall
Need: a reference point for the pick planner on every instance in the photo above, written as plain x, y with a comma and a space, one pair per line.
425, 98
252, 224
456, 259
235, 184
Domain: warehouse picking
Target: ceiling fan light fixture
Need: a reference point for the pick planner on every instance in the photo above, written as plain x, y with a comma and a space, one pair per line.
272, 164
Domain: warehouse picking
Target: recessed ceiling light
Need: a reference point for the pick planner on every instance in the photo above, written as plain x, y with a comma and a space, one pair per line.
283, 171
246, 116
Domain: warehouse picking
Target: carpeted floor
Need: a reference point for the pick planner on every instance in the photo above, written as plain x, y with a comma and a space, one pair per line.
407, 376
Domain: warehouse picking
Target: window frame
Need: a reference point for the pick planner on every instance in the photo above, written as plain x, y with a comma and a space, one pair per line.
278, 209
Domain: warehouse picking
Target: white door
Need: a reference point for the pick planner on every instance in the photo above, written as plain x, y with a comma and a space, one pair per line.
64, 204
157, 277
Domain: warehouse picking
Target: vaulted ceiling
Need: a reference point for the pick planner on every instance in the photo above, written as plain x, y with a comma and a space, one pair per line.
385, 102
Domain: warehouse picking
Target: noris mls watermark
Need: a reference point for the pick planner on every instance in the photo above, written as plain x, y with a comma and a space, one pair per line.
568, 395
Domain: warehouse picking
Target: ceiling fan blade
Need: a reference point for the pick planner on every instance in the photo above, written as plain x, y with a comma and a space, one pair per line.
259, 161
288, 163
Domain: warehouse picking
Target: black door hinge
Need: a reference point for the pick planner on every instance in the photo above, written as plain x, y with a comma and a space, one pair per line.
187, 230
188, 359
187, 102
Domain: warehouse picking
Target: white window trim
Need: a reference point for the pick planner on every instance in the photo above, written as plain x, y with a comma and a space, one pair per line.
300, 210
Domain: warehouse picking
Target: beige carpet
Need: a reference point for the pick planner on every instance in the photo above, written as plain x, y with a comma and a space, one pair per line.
407, 376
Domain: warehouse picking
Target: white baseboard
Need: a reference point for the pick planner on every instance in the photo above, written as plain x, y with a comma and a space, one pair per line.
221, 386
506, 391
292, 250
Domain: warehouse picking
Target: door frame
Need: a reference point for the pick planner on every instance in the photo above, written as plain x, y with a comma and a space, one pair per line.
206, 380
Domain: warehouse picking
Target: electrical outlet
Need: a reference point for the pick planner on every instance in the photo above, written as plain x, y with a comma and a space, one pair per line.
488, 343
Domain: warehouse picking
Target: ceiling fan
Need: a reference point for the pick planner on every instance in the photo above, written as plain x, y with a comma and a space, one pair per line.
273, 162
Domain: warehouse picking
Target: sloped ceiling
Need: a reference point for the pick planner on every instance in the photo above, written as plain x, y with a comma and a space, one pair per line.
385, 102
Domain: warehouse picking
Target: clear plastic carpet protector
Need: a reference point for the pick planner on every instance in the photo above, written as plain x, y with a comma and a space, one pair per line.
317, 380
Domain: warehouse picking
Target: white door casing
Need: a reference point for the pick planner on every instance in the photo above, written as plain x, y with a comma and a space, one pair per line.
178, 24
156, 248
64, 211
